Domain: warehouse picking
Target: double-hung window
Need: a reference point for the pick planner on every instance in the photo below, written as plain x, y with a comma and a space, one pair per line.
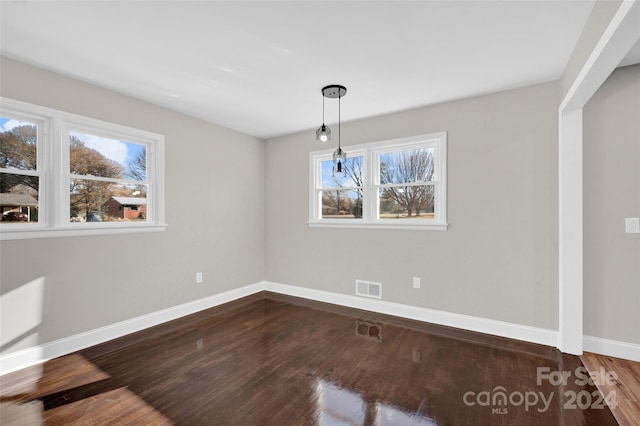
21, 167
341, 194
398, 184
62, 174
107, 175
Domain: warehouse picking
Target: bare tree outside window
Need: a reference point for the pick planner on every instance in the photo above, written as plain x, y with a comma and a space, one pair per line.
137, 167
353, 169
406, 189
342, 192
390, 184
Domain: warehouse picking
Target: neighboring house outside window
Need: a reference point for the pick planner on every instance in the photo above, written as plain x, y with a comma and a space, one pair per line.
18, 207
68, 170
126, 208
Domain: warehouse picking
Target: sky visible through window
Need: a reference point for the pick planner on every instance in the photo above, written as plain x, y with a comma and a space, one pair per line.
6, 124
381, 183
339, 180
122, 152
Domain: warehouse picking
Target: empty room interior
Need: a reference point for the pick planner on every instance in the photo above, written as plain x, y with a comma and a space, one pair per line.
320, 213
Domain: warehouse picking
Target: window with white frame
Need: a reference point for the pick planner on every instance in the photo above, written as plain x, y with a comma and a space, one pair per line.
62, 174
21, 168
398, 183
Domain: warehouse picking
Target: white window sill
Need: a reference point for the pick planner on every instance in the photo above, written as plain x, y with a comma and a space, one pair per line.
26, 232
360, 224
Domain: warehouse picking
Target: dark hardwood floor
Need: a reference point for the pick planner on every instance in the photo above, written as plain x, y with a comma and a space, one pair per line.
276, 360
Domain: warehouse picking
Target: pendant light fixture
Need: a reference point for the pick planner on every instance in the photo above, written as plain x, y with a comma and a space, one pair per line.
339, 156
323, 133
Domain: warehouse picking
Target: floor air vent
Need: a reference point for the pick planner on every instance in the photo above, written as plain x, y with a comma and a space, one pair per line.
369, 289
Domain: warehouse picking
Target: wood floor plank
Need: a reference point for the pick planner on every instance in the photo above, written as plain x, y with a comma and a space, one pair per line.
277, 360
619, 379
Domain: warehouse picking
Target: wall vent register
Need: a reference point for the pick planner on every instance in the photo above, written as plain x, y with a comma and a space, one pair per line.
369, 289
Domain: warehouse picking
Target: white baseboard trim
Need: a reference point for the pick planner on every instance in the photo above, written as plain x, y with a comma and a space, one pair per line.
482, 325
44, 352
615, 348
41, 353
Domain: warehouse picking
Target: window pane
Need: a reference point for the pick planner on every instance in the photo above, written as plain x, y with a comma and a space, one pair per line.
407, 202
97, 156
94, 201
343, 204
411, 165
18, 198
351, 174
18, 143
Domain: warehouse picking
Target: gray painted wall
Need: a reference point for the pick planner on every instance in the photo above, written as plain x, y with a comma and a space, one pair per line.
599, 19
214, 208
499, 258
611, 193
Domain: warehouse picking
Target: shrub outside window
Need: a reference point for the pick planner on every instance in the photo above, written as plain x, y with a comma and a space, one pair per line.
399, 184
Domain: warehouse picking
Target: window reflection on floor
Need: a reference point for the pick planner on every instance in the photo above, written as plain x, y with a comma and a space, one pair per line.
338, 406
391, 416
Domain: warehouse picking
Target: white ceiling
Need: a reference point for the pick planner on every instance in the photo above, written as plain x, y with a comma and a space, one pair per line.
258, 67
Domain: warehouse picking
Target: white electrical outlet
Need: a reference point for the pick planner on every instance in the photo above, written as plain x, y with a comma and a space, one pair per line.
632, 225
416, 282
198, 277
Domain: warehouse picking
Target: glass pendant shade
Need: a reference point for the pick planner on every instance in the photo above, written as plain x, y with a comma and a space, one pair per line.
323, 134
339, 161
